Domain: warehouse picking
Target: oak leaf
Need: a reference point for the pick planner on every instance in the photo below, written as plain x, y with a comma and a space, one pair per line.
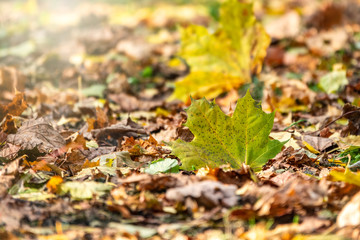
220, 139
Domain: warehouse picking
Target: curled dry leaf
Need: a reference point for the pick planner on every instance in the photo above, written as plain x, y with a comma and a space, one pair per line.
352, 113
319, 143
117, 131
207, 193
142, 150
297, 195
15, 108
131, 103
9, 151
292, 160
159, 182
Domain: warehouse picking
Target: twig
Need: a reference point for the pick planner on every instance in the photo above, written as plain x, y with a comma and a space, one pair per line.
341, 116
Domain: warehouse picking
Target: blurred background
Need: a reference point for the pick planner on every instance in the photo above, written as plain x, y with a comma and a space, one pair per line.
123, 51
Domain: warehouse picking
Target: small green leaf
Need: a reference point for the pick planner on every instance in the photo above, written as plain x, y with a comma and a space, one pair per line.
133, 81
96, 90
333, 81
353, 151
166, 165
147, 72
220, 139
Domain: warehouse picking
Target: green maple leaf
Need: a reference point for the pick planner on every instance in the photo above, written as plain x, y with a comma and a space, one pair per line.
220, 139
334, 81
225, 59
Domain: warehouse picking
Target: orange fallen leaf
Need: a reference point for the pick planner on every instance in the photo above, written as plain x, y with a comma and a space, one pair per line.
53, 183
88, 164
9, 125
75, 141
38, 165
91, 123
15, 108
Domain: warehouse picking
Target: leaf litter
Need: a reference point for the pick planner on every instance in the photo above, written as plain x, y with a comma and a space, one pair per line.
93, 148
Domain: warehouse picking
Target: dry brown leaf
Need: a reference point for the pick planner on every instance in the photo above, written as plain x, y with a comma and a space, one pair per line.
352, 113
9, 151
139, 147
207, 193
41, 165
319, 143
15, 108
159, 182
298, 195
327, 43
37, 134
117, 131
130, 103
286, 26
350, 214
75, 141
88, 164
328, 16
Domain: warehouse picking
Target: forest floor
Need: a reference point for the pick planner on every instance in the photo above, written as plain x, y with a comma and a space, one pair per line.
88, 132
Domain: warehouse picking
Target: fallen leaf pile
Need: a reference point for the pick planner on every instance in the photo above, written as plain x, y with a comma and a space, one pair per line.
179, 119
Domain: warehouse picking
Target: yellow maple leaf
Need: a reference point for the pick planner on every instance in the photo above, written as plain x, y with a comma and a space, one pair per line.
225, 59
